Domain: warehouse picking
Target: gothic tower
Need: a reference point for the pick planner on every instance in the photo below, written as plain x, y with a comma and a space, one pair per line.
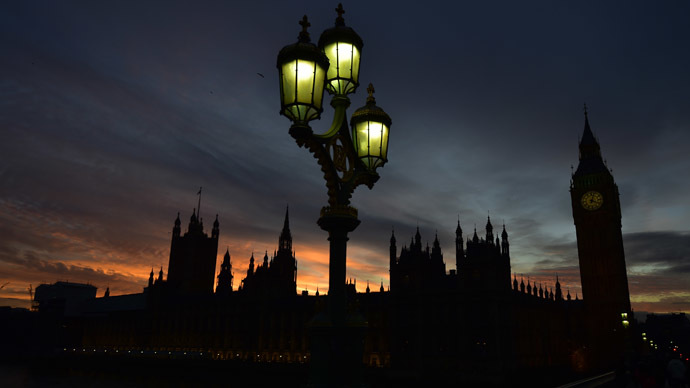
277, 277
597, 215
192, 265
459, 250
225, 276
285, 239
284, 264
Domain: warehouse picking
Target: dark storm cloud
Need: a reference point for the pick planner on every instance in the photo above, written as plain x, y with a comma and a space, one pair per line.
660, 252
112, 116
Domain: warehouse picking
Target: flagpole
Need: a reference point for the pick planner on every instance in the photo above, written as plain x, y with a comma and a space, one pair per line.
198, 208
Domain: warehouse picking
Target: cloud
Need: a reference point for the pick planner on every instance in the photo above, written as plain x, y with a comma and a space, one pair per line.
658, 252
113, 127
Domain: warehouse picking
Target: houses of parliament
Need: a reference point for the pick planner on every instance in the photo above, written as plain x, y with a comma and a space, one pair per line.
476, 317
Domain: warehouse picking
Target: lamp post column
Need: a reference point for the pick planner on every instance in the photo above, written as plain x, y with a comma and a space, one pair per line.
338, 222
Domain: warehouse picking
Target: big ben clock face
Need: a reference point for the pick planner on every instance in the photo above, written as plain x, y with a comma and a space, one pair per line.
592, 200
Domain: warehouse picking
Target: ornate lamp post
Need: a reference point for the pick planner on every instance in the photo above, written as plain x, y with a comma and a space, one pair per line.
347, 160
305, 70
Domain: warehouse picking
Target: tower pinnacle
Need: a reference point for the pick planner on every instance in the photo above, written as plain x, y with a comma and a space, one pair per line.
285, 240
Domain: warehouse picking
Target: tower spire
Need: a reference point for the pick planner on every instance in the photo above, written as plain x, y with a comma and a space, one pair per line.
489, 230
459, 250
418, 239
285, 240
589, 145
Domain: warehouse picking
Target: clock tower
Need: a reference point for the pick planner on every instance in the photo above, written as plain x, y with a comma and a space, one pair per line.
597, 215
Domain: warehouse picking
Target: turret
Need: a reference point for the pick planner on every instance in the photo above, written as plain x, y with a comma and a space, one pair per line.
225, 276
176, 228
195, 225
489, 231
418, 240
505, 246
250, 271
160, 276
522, 285
436, 254
559, 294
285, 240
151, 277
515, 283
459, 250
216, 228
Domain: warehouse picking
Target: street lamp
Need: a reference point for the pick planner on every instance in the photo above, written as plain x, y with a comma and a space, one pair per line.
305, 70
347, 159
301, 68
343, 47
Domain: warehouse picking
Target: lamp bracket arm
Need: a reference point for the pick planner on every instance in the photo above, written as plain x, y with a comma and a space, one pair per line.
342, 169
340, 105
338, 118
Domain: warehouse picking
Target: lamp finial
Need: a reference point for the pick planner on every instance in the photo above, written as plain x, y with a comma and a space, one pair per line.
370, 90
339, 21
304, 35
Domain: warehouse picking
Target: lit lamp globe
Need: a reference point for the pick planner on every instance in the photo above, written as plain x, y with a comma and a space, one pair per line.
302, 71
343, 47
370, 127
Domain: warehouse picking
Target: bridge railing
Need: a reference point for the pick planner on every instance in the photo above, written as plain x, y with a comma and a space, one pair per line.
591, 382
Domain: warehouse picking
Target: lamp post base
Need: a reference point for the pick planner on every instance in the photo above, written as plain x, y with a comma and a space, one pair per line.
337, 337
337, 351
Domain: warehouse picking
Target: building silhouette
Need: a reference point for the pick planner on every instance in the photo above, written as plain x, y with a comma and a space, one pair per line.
473, 322
277, 276
597, 214
192, 265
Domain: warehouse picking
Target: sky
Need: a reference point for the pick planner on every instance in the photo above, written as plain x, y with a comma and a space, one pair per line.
113, 114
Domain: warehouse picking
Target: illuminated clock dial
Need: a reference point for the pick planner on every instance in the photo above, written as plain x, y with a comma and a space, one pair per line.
592, 200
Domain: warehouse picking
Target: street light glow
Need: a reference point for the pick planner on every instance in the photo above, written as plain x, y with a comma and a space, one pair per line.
343, 74
371, 142
301, 82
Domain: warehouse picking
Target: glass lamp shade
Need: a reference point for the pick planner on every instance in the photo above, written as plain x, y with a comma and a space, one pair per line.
302, 72
343, 47
370, 128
